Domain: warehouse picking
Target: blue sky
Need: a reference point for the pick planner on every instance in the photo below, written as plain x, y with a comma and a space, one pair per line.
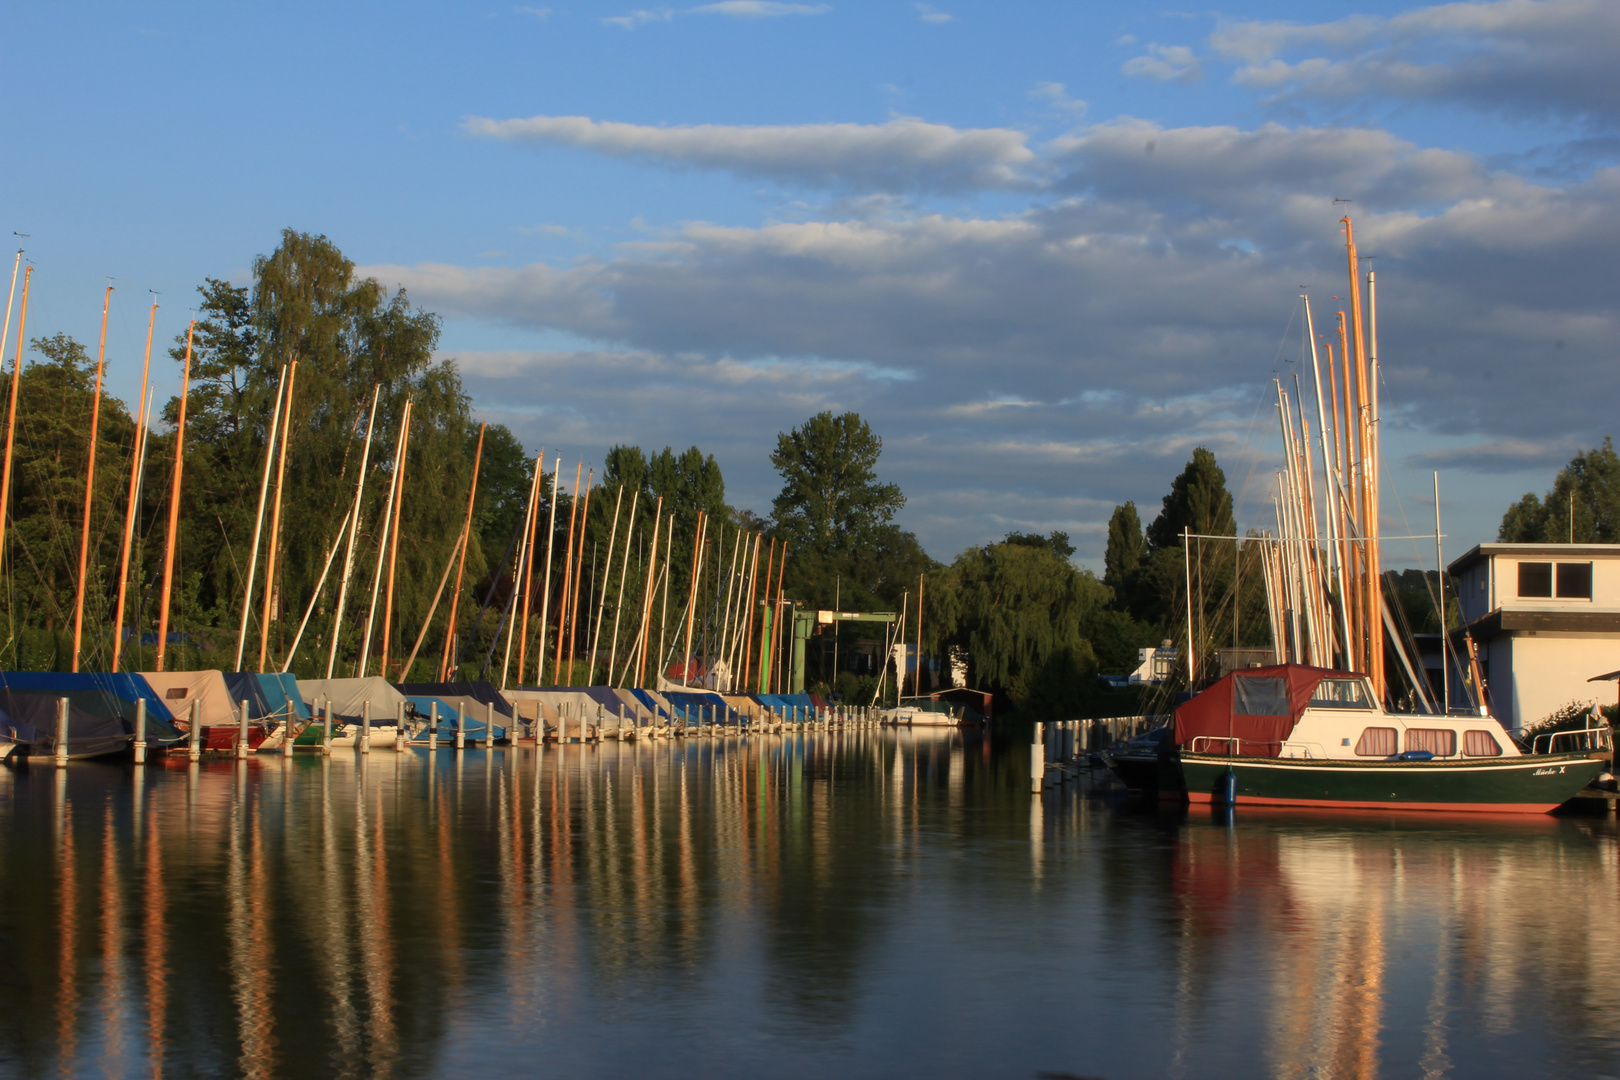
1045, 249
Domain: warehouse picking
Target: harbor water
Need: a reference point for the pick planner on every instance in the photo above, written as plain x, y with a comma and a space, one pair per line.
848, 904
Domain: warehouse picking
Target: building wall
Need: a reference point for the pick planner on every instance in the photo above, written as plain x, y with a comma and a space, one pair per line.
1534, 674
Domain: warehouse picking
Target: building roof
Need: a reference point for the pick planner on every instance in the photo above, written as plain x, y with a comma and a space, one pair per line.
1481, 552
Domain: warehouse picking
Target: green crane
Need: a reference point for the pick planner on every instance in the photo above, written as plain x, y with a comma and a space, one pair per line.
805, 622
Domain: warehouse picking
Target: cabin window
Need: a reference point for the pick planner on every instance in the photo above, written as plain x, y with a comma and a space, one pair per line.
1260, 696
1575, 581
174, 692
1440, 742
1376, 742
1341, 694
1481, 744
1536, 579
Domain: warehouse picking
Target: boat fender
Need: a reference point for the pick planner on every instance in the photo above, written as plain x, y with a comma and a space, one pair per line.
1416, 755
1228, 789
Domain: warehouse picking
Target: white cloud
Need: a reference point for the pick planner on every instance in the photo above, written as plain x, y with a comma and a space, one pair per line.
1533, 58
1058, 96
541, 13
759, 9
638, 17
930, 14
900, 155
1088, 342
1166, 63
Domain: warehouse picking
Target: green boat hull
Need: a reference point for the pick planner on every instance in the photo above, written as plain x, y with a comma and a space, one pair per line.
1534, 784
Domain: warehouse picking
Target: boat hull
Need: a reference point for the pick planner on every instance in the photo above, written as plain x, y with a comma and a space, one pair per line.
1532, 784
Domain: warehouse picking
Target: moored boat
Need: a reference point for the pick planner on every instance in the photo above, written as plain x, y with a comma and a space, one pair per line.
1292, 735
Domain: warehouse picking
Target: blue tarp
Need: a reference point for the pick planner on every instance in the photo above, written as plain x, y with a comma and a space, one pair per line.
269, 697
100, 693
473, 724
651, 702
483, 693
696, 704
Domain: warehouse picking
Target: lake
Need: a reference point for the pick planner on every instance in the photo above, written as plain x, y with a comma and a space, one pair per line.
839, 904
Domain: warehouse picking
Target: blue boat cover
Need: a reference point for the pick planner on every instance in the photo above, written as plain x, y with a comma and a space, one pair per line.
104, 695
473, 723
269, 697
484, 693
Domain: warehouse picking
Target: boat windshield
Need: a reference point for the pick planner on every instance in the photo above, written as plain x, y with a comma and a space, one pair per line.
1341, 694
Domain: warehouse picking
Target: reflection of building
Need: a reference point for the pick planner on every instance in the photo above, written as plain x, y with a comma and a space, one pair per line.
1545, 618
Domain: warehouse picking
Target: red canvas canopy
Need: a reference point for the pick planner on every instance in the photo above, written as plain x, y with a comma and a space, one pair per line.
1255, 709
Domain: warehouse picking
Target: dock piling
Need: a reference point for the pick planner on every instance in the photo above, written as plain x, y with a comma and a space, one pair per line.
326, 728
461, 726
1037, 759
401, 736
61, 732
365, 727
194, 748
140, 731
242, 732
433, 726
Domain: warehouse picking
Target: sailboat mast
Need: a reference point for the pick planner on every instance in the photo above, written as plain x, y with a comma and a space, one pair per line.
354, 532
545, 587
461, 565
11, 411
568, 572
132, 511
579, 577
523, 576
692, 597
387, 520
607, 576
174, 504
258, 518
90, 483
393, 543
275, 519
647, 593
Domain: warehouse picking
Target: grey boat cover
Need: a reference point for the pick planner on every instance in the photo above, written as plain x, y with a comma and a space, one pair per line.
348, 697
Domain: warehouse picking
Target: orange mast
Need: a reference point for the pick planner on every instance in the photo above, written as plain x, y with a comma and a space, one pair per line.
275, 519
568, 569
90, 484
647, 594
11, 411
174, 504
767, 623
579, 577
461, 564
523, 574
132, 512
398, 499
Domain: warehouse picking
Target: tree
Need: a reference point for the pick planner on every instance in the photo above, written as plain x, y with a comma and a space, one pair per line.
1198, 501
1125, 546
831, 500
1590, 486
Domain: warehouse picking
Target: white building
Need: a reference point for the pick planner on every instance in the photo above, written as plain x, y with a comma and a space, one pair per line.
1545, 619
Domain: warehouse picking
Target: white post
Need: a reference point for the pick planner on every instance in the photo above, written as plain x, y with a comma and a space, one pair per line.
287, 733
461, 727
400, 734
489, 725
140, 731
1037, 759
433, 726
326, 739
242, 732
365, 727
61, 732
194, 751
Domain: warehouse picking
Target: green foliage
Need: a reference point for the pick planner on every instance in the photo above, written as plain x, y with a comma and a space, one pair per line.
1126, 546
1198, 501
1590, 486
831, 501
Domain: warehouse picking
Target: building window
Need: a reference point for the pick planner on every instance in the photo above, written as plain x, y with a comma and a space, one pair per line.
1438, 741
1575, 581
1481, 744
1376, 742
1536, 579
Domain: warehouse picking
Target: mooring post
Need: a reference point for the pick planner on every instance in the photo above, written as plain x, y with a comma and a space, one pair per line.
288, 736
194, 749
461, 726
326, 727
1037, 759
365, 727
241, 732
61, 732
140, 731
433, 726
401, 737
489, 725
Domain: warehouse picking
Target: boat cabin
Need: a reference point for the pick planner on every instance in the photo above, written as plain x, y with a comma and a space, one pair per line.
1294, 711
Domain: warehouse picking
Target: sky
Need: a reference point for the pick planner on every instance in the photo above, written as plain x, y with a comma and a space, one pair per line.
1044, 249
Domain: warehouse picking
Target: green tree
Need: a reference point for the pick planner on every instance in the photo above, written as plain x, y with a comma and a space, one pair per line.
1126, 543
831, 500
1589, 486
1198, 501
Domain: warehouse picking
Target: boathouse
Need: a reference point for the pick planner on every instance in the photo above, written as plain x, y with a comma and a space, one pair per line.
1545, 619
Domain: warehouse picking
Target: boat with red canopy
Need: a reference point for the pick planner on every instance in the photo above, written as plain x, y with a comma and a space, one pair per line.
1293, 735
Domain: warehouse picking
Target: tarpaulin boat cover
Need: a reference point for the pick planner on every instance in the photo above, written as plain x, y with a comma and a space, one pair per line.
653, 701
472, 719
1258, 707
100, 694
743, 703
475, 698
553, 703
271, 697
180, 689
348, 697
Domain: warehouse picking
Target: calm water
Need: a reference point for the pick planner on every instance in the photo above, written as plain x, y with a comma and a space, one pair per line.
840, 905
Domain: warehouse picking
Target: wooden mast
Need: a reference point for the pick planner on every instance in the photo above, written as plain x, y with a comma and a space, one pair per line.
624, 574
781, 589
692, 598
11, 411
916, 684
663, 610
579, 577
354, 532
766, 622
393, 543
461, 565
568, 569
382, 543
90, 483
258, 516
523, 576
174, 504
132, 511
275, 521
545, 585
646, 598
607, 576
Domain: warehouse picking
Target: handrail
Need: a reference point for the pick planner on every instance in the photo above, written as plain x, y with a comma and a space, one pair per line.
1594, 736
1234, 744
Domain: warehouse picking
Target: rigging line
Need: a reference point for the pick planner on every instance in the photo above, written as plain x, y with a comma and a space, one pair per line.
1293, 310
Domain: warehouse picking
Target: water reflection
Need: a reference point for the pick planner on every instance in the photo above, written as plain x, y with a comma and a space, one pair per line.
872, 902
